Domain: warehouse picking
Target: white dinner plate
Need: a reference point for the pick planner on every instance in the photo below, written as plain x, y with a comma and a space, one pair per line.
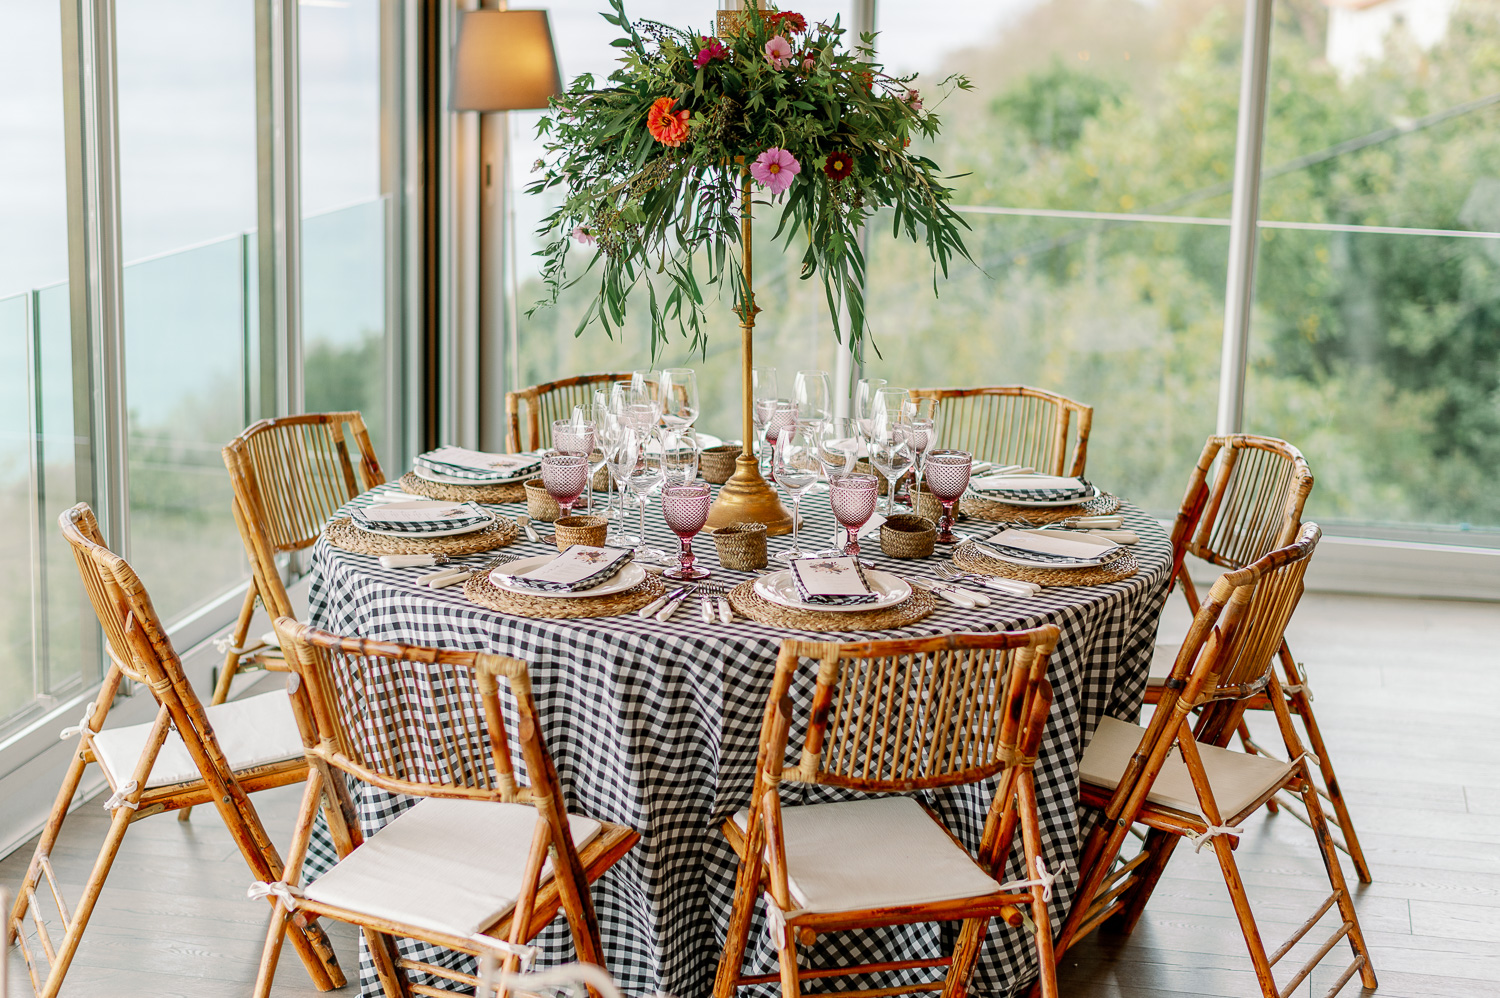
629, 576
779, 588
420, 504
1104, 544
1039, 503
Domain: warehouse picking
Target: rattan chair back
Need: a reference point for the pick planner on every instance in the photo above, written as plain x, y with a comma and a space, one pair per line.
1014, 424
547, 402
893, 716
394, 742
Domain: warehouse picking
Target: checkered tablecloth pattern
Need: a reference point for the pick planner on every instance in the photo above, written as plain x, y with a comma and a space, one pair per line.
656, 725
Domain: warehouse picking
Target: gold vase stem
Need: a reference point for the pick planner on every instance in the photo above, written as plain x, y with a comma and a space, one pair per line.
747, 324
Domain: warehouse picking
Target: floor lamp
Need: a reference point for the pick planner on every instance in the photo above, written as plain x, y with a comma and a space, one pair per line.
504, 62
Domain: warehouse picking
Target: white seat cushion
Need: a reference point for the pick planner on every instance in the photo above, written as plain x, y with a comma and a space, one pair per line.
875, 853
444, 865
1237, 779
254, 731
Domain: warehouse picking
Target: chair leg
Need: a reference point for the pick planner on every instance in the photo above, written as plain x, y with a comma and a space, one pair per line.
1246, 918
965, 955
383, 953
1160, 845
1345, 821
746, 893
1031, 840
786, 956
1337, 882
232, 658
85, 908
270, 954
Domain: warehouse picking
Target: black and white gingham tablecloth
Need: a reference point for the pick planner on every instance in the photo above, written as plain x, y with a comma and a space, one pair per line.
656, 725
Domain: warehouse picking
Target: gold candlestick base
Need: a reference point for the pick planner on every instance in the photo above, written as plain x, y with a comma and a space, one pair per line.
749, 498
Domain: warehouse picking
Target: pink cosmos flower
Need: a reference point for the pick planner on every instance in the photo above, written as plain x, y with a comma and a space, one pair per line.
712, 49
775, 169
778, 52
584, 236
914, 98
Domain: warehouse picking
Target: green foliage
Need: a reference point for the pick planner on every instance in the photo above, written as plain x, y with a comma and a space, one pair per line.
663, 211
1052, 105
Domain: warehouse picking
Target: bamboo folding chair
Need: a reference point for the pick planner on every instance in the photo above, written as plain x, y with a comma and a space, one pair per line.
480, 864
188, 755
1245, 498
1171, 777
547, 402
289, 475
1014, 424
894, 717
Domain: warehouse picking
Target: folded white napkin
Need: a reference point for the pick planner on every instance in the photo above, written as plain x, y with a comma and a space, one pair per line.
1028, 483
1053, 544
579, 567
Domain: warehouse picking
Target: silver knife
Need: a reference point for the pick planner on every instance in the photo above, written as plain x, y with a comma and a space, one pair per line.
650, 608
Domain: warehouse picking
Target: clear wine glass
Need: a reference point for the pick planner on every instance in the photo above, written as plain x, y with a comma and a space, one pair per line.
947, 478
890, 451
606, 437
781, 416
685, 508
679, 455
795, 461
565, 476
864, 403
813, 393
623, 453
648, 475
853, 500
646, 380
923, 440
679, 395
838, 446
763, 393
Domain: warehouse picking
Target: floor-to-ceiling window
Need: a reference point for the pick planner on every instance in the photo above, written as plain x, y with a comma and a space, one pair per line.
45, 651
343, 215
1376, 337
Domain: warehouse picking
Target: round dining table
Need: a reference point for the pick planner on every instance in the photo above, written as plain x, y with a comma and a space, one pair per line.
655, 725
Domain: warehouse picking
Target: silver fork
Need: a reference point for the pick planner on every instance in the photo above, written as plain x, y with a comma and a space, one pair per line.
952, 573
712, 595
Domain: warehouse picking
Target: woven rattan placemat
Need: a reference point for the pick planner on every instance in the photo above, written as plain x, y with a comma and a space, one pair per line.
344, 534
970, 560
419, 486
748, 604
1002, 512
479, 589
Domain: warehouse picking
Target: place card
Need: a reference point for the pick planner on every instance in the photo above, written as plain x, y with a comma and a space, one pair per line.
831, 581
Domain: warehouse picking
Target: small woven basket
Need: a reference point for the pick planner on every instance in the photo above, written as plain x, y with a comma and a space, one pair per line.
863, 467
716, 464
539, 503
742, 546
589, 530
924, 503
907, 535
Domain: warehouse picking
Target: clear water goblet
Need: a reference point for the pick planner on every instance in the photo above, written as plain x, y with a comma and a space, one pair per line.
853, 500
648, 475
679, 395
864, 403
565, 476
685, 508
890, 452
763, 393
813, 393
947, 478
838, 446
795, 462
781, 416
679, 455
624, 450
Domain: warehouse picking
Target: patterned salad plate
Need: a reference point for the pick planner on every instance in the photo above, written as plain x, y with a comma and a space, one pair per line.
628, 578
779, 588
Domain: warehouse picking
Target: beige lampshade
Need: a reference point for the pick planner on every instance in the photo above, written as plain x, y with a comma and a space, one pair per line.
504, 61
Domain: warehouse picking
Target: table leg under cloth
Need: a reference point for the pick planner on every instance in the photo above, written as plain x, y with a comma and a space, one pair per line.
656, 725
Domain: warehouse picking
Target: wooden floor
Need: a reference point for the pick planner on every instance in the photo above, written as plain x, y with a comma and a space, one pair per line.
1409, 696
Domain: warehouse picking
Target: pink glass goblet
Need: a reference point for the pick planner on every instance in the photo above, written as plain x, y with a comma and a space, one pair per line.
853, 500
685, 508
947, 478
565, 476
781, 416
572, 437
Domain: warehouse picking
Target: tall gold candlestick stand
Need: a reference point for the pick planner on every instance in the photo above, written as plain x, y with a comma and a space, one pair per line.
747, 497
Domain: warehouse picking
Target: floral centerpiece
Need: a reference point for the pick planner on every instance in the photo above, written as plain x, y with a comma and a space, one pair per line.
654, 166
659, 172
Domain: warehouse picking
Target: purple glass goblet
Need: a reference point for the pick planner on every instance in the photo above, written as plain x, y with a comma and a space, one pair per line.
947, 478
565, 476
685, 508
853, 499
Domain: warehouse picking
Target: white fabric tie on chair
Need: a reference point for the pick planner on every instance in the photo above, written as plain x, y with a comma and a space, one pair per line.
117, 799
224, 644
1044, 880
776, 920
1213, 830
78, 728
288, 894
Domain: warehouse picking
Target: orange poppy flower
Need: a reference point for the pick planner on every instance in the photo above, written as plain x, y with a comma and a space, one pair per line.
666, 126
